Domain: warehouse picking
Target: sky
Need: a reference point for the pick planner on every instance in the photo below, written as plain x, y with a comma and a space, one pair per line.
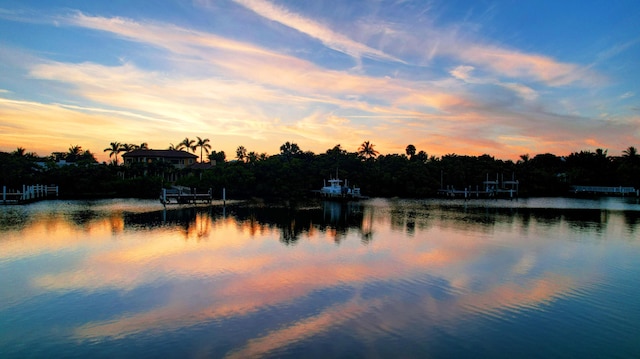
503, 78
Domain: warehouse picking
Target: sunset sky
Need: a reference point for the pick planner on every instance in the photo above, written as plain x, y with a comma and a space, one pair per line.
504, 78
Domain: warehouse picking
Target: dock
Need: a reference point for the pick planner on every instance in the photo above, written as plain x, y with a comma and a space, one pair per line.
469, 192
604, 190
184, 195
29, 193
489, 189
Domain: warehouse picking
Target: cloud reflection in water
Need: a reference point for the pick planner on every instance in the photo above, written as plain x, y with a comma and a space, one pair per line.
381, 268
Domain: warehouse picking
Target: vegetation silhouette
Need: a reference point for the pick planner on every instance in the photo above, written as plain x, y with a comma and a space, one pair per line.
293, 173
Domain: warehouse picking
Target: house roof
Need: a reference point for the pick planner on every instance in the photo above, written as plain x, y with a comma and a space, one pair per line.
159, 153
201, 166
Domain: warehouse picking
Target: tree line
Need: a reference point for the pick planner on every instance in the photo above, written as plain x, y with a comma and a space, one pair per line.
295, 173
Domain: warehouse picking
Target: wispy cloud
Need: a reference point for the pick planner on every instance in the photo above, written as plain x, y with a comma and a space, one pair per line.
430, 42
462, 72
314, 29
515, 64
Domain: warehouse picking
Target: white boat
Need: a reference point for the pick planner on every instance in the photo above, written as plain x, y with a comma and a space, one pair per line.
337, 190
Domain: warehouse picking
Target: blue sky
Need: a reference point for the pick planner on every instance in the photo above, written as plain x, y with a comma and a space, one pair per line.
504, 78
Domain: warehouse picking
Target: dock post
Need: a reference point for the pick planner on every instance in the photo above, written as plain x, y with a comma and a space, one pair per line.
224, 196
24, 192
164, 197
4, 194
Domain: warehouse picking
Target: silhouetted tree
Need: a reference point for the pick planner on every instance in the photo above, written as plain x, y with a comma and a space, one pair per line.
241, 153
203, 143
187, 144
410, 151
74, 153
219, 157
20, 151
128, 147
114, 149
367, 151
288, 150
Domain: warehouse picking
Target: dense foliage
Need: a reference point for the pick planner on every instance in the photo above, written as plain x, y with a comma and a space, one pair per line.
294, 173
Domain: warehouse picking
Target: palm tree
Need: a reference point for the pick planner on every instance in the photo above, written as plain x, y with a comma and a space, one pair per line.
630, 156
252, 157
20, 151
366, 150
241, 153
74, 153
630, 152
601, 153
203, 143
128, 147
289, 149
411, 151
143, 146
171, 147
114, 149
187, 144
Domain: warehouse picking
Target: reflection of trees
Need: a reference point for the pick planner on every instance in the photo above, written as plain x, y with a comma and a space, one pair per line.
83, 217
367, 225
193, 221
406, 216
586, 219
410, 216
88, 218
333, 217
484, 218
338, 219
202, 224
289, 222
13, 218
631, 219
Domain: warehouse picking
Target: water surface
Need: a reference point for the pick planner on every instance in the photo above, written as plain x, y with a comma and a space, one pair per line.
536, 278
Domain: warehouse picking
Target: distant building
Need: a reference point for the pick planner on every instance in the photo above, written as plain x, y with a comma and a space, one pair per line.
179, 159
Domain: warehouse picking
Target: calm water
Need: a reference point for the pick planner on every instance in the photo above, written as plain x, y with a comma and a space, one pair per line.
538, 278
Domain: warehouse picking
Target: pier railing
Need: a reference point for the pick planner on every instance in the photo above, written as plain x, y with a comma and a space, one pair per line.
28, 193
605, 190
185, 195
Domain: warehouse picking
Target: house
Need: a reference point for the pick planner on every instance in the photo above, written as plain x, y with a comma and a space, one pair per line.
179, 159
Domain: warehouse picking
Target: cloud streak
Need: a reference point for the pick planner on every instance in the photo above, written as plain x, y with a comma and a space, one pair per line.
315, 30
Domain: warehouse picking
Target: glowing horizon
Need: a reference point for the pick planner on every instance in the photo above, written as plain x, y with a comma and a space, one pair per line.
503, 80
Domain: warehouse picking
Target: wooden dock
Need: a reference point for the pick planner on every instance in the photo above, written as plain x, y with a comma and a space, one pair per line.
29, 193
184, 195
489, 189
468, 193
604, 190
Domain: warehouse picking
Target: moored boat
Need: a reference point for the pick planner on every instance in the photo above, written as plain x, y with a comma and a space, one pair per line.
336, 190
